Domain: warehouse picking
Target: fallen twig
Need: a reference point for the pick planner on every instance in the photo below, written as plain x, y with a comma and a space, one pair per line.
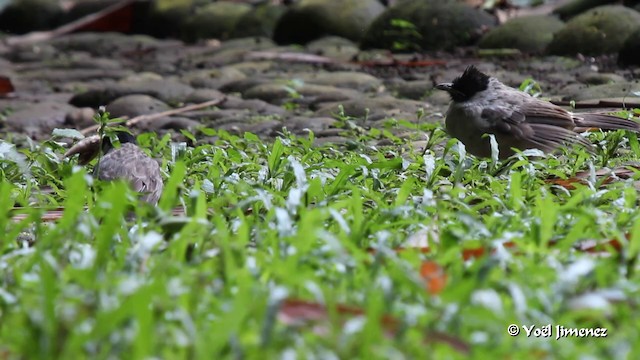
150, 117
85, 21
55, 214
618, 103
290, 56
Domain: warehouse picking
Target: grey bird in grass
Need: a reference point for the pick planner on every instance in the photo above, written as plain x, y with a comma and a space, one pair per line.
128, 162
481, 105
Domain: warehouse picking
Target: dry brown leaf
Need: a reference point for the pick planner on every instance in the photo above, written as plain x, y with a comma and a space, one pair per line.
434, 276
6, 86
300, 312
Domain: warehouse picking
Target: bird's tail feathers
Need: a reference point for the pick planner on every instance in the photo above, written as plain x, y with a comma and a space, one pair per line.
605, 122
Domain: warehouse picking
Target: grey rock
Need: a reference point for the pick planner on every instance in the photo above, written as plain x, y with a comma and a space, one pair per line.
601, 30
134, 105
439, 99
5, 65
594, 78
38, 120
23, 16
280, 93
80, 118
312, 19
252, 43
237, 120
575, 7
373, 109
322, 139
300, 125
530, 34
73, 60
253, 67
243, 85
213, 78
106, 44
414, 90
169, 91
32, 53
436, 25
167, 19
220, 116
266, 127
553, 64
225, 57
215, 20
254, 106
342, 79
334, 47
260, 21
630, 49
579, 92
203, 95
176, 123
512, 78
79, 74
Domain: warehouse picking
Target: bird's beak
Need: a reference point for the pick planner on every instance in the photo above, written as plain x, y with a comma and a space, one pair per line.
454, 93
445, 86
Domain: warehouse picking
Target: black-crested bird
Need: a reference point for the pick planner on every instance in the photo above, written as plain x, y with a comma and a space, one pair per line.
128, 162
481, 105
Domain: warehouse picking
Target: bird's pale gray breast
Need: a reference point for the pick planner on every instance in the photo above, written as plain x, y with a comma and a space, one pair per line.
131, 164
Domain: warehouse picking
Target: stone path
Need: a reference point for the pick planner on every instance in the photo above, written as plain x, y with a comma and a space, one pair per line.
266, 87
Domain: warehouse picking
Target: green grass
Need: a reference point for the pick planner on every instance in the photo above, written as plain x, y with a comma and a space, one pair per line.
269, 221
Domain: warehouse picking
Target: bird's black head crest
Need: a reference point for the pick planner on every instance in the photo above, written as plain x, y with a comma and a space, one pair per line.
123, 137
471, 82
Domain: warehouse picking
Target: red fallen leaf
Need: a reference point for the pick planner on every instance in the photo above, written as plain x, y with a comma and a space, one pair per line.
434, 276
401, 63
509, 244
5, 354
565, 183
589, 246
398, 250
623, 172
297, 311
420, 63
569, 183
6, 86
117, 17
593, 246
473, 253
431, 272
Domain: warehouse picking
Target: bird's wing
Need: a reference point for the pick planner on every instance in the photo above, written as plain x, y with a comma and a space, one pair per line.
506, 120
542, 127
542, 112
146, 179
133, 165
113, 165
